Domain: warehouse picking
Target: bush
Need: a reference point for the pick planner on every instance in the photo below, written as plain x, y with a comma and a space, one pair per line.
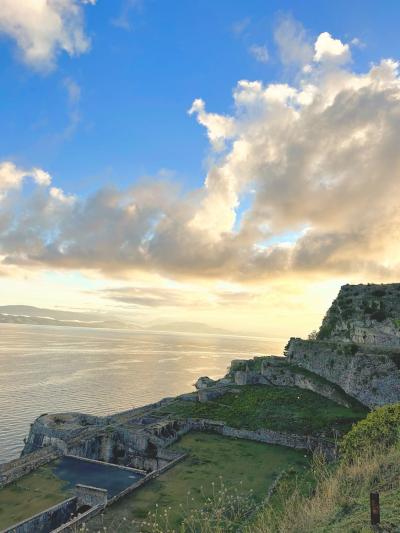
381, 428
379, 292
379, 315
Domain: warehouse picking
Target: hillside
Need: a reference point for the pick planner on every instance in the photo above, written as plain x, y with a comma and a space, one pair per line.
339, 501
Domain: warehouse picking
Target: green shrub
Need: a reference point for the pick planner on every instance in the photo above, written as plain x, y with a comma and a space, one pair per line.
381, 428
379, 315
379, 292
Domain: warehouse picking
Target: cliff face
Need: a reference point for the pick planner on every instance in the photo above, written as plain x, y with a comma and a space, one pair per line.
364, 314
365, 373
357, 349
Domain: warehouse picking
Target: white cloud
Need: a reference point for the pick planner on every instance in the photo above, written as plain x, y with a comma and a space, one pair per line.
219, 128
58, 194
74, 96
260, 53
293, 43
123, 19
320, 153
240, 26
41, 177
73, 90
329, 49
11, 177
44, 28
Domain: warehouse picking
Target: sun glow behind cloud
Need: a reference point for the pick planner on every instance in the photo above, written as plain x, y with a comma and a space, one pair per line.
285, 208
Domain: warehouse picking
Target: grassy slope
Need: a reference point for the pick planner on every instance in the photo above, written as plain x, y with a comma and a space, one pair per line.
243, 464
341, 500
370, 462
278, 408
30, 495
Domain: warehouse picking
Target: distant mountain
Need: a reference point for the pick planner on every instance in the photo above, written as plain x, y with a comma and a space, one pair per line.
188, 327
30, 311
26, 314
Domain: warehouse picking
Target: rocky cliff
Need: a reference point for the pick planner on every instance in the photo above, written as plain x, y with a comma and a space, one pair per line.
364, 314
370, 375
356, 353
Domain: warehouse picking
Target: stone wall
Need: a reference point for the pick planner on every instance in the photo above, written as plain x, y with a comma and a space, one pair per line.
373, 379
48, 520
14, 470
291, 440
91, 496
73, 526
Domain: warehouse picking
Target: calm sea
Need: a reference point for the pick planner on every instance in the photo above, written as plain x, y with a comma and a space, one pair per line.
55, 369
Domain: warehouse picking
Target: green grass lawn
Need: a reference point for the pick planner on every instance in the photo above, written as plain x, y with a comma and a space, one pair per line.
243, 464
30, 495
287, 409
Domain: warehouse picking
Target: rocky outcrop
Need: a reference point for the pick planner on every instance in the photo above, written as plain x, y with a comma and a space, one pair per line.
282, 374
364, 314
204, 382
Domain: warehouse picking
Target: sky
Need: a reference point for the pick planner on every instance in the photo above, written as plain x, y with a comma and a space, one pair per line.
232, 163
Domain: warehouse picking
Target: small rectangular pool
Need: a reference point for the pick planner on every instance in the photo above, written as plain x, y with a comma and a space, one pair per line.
76, 470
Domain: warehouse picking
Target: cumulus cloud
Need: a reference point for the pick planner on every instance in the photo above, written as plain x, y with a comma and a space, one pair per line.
329, 49
44, 28
306, 181
11, 176
219, 127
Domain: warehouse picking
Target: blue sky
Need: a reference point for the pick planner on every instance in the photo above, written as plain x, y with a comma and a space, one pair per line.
138, 81
113, 195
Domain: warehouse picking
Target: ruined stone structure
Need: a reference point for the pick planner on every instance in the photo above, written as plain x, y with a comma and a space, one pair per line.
132, 438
